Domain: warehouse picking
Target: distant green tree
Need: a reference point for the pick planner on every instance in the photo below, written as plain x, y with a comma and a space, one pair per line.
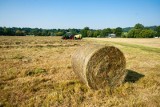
113, 30
157, 31
131, 34
10, 32
20, 33
5, 31
127, 29
139, 26
1, 31
59, 33
27, 30
124, 34
105, 32
139, 31
86, 28
147, 33
96, 33
90, 33
118, 31
34, 31
108, 31
73, 31
44, 32
102, 33
84, 32
134, 33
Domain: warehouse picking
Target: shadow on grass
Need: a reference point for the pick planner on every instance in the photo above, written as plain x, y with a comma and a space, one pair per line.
133, 76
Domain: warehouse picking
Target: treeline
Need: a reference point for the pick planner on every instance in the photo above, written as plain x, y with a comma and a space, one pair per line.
86, 32
15, 31
138, 31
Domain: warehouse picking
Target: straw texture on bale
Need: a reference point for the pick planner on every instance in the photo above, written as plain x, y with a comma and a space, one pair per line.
99, 66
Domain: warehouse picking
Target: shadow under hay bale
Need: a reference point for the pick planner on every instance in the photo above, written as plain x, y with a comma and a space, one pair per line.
99, 66
133, 76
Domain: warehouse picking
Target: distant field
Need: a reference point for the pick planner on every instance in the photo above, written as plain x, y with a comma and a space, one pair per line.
37, 71
153, 42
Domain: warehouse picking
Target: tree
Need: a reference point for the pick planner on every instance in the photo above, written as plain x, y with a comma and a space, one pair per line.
34, 31
20, 33
157, 31
147, 33
131, 34
1, 31
103, 33
90, 33
5, 31
118, 31
113, 30
96, 33
84, 32
108, 31
139, 31
59, 33
139, 26
73, 31
135, 32
44, 32
127, 29
86, 28
124, 35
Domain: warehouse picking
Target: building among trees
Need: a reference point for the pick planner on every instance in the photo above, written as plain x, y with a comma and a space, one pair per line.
112, 35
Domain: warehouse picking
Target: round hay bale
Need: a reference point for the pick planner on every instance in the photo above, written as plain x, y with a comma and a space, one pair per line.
99, 66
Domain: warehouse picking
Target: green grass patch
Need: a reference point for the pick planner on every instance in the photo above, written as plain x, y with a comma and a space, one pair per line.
35, 71
144, 48
18, 56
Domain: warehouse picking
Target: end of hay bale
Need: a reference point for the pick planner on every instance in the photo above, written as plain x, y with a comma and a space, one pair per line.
99, 66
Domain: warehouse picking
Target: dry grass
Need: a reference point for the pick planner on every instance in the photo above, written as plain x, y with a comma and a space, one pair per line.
37, 71
152, 42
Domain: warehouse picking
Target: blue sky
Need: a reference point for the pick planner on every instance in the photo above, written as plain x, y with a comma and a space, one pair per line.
96, 14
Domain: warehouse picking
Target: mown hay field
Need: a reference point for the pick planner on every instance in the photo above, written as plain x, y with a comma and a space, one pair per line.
37, 71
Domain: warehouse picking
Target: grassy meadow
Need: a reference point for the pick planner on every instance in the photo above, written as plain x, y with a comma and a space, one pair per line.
37, 72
